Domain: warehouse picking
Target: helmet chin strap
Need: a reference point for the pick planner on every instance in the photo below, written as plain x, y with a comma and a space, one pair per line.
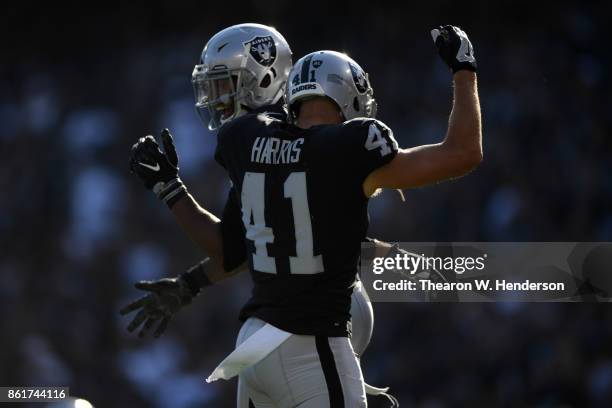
238, 112
241, 112
278, 95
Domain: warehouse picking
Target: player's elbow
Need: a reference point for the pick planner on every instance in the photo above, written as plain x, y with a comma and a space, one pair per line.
464, 146
474, 157
465, 161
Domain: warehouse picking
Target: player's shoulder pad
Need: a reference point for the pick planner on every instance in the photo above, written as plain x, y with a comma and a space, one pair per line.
366, 123
277, 111
246, 123
373, 133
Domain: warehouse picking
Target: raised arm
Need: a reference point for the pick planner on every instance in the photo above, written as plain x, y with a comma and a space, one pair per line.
158, 170
202, 226
166, 297
461, 150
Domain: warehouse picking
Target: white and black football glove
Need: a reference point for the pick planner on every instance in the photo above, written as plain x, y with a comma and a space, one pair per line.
158, 169
454, 47
166, 297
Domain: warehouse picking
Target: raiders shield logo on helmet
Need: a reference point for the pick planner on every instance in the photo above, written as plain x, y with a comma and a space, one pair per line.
359, 78
263, 50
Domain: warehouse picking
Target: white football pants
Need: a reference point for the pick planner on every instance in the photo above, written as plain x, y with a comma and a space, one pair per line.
310, 371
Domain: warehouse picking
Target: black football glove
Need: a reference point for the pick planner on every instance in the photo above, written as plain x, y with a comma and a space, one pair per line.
158, 169
167, 296
454, 47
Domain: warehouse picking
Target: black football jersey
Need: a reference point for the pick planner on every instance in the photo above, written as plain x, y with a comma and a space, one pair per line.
304, 214
232, 228
233, 233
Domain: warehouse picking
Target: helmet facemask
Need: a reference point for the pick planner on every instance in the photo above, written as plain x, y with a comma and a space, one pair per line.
222, 94
370, 104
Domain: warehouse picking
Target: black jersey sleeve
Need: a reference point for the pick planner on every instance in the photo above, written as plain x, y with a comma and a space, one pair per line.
370, 144
229, 138
233, 233
222, 145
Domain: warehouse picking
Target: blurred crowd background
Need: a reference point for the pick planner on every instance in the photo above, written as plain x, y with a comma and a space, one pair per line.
79, 85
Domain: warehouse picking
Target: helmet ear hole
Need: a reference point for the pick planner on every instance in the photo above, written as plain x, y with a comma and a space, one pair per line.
356, 104
266, 81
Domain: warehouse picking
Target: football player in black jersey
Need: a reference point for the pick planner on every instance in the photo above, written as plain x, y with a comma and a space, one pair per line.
305, 187
257, 83
235, 52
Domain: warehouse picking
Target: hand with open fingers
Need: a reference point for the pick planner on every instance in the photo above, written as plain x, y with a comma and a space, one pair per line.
167, 296
454, 48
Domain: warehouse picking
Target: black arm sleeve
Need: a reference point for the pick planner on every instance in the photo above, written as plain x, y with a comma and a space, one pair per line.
233, 233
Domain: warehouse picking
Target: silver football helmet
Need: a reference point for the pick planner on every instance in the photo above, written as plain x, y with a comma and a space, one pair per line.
335, 75
242, 67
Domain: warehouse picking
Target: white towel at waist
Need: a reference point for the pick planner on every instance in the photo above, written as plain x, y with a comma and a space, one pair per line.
251, 351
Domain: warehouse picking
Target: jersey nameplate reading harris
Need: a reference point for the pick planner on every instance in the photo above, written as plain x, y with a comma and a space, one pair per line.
271, 150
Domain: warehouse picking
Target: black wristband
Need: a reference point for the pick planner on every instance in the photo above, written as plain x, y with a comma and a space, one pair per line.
468, 66
170, 192
196, 277
176, 197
